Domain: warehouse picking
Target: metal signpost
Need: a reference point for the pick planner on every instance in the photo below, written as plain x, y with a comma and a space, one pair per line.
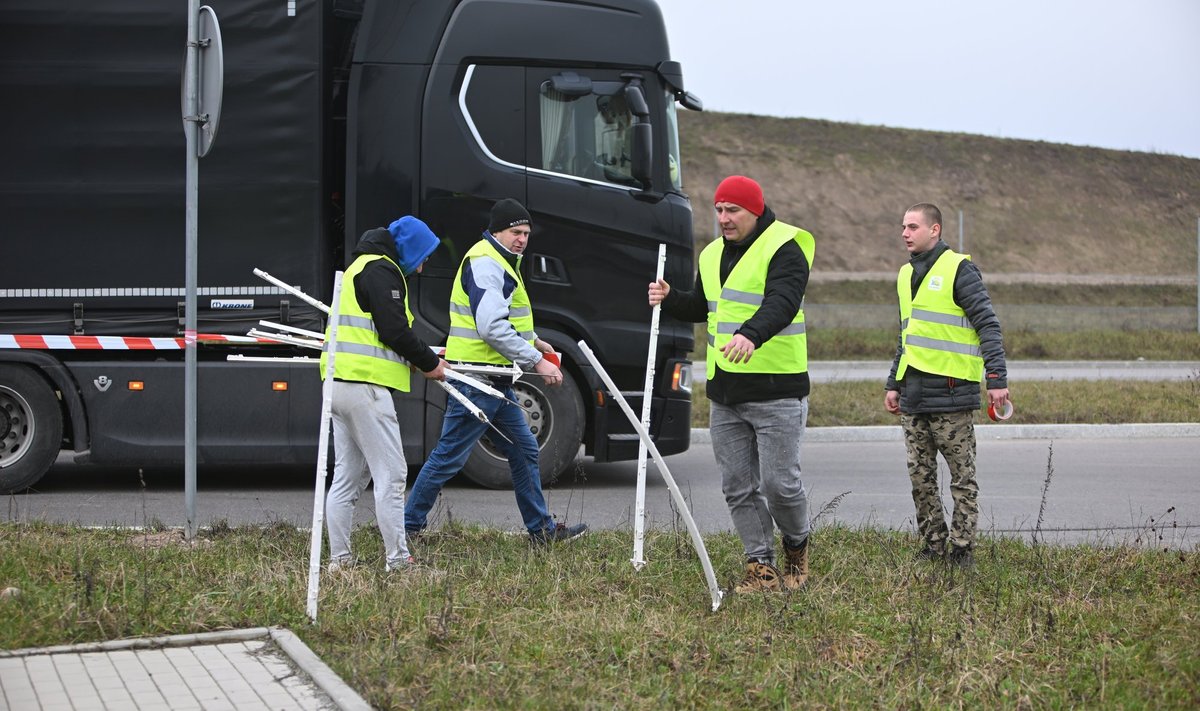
203, 80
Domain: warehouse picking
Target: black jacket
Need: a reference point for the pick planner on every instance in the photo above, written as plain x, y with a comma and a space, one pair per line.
783, 293
922, 392
380, 290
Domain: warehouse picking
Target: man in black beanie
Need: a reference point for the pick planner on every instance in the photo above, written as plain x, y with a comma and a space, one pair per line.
491, 322
507, 214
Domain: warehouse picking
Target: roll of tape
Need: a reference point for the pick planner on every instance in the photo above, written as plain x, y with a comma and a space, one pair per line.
1004, 414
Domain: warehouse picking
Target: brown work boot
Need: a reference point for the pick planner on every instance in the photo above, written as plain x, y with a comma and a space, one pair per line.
760, 577
795, 571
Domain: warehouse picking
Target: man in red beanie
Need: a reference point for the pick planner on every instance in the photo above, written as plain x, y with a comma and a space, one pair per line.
750, 288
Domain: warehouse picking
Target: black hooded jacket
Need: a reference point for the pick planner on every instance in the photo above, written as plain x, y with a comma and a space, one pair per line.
380, 289
783, 293
922, 392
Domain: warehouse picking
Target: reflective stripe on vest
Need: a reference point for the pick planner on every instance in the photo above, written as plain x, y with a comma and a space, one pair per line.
733, 303
937, 337
361, 356
463, 343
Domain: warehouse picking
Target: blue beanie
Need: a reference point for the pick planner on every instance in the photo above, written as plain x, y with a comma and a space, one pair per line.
414, 242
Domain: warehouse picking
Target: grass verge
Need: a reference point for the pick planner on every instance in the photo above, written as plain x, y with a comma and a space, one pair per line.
1037, 403
575, 627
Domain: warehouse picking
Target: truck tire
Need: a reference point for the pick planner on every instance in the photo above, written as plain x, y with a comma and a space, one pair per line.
31, 427
555, 414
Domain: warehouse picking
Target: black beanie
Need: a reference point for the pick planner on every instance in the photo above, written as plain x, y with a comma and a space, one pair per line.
507, 213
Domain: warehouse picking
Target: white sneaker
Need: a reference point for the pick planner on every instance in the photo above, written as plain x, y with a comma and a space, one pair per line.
339, 565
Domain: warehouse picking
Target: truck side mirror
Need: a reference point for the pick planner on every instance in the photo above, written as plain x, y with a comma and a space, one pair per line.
569, 84
690, 101
643, 149
636, 100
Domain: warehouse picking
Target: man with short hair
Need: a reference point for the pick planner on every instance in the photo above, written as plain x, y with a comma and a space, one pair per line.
375, 351
491, 322
949, 339
750, 289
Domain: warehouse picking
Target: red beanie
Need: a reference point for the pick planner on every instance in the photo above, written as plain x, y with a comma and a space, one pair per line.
740, 190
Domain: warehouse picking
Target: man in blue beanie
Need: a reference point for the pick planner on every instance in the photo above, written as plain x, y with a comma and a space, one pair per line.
375, 352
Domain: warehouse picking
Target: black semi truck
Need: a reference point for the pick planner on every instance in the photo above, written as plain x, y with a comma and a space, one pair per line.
338, 116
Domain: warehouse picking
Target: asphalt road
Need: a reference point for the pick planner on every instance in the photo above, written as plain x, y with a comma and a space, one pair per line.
1102, 490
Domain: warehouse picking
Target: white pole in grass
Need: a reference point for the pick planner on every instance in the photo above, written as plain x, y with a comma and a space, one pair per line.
318, 521
639, 506
676, 494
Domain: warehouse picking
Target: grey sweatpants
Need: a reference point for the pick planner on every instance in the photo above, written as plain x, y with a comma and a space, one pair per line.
367, 446
757, 447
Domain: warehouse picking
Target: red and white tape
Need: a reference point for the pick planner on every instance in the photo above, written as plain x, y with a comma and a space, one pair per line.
117, 343
1003, 414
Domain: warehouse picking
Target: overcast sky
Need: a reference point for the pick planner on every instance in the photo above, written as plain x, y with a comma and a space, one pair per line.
1117, 74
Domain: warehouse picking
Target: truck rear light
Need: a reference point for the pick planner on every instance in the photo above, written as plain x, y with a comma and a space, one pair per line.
279, 386
137, 385
681, 377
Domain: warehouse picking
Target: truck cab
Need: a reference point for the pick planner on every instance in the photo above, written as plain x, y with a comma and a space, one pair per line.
338, 118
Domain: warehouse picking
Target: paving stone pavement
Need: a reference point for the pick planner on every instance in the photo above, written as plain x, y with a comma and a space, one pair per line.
254, 669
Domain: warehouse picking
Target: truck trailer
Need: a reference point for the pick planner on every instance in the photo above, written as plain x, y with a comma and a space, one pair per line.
338, 116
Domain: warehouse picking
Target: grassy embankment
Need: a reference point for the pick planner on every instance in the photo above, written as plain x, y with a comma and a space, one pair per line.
505, 627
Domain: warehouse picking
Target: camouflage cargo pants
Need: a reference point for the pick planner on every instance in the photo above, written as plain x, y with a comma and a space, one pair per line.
952, 434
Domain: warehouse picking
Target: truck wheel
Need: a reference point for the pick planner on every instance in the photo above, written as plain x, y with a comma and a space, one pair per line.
555, 415
30, 428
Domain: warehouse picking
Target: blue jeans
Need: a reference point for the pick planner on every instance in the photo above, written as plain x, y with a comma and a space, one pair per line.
757, 447
460, 432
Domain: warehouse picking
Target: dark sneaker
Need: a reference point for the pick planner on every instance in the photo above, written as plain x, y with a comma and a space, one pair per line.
795, 569
560, 532
929, 553
963, 558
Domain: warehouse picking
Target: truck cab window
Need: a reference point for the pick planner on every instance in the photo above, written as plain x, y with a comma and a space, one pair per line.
586, 136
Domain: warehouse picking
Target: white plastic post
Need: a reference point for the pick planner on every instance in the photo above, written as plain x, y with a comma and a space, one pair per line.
292, 290
676, 494
318, 521
639, 506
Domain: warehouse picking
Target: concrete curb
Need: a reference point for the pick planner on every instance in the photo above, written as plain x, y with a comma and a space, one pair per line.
890, 433
346, 698
326, 679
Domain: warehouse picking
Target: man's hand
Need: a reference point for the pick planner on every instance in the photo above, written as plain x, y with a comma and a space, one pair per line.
998, 398
438, 373
739, 349
542, 346
549, 371
891, 402
658, 291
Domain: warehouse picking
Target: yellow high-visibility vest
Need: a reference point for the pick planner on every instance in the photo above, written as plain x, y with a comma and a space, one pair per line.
464, 342
360, 355
733, 303
937, 336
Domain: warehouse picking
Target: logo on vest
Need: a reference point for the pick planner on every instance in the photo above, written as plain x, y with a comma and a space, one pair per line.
935, 283
395, 293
